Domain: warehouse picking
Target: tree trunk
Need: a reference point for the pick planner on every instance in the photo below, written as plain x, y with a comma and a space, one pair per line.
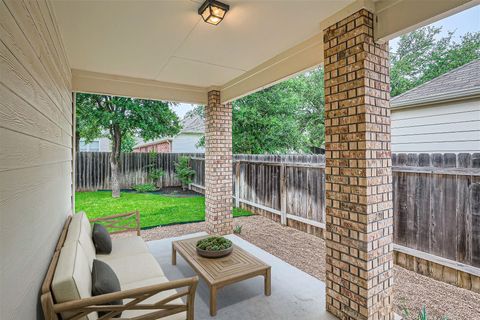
115, 161
115, 183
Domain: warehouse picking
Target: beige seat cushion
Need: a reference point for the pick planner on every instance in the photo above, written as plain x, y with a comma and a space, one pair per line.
122, 247
134, 268
159, 296
72, 279
80, 231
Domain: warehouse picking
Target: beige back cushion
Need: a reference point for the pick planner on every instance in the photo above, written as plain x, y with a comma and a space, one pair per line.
72, 279
80, 231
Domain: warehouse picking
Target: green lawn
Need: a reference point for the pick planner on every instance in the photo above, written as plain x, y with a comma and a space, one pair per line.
154, 209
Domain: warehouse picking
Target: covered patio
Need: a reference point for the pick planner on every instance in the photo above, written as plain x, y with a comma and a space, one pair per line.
163, 50
294, 292
410, 291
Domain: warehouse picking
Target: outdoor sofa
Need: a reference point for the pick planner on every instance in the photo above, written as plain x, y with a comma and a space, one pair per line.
146, 292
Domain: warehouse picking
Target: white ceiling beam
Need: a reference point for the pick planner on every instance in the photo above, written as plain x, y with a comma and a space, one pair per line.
396, 17
100, 83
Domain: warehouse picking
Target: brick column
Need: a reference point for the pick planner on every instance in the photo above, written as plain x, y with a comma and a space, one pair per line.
359, 214
218, 165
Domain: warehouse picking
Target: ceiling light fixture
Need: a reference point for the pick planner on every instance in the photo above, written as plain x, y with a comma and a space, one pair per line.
213, 11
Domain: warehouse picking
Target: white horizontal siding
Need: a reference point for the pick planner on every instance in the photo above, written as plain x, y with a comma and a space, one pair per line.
35, 151
445, 127
185, 142
105, 145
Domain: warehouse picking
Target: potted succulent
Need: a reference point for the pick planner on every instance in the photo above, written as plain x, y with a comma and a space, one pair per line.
214, 247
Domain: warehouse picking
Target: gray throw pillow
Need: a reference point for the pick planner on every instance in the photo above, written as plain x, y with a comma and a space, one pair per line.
101, 239
104, 280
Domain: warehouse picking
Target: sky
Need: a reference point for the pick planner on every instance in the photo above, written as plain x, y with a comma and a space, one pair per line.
461, 23
182, 108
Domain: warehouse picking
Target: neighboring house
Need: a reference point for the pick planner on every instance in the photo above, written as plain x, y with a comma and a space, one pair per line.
97, 145
193, 129
442, 115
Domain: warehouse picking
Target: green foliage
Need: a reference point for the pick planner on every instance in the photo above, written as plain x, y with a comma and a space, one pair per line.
146, 187
87, 127
156, 174
128, 142
237, 229
135, 117
183, 170
423, 55
313, 108
284, 118
123, 118
155, 209
197, 111
287, 117
214, 244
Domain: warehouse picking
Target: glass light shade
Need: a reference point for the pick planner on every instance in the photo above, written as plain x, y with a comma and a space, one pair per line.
213, 11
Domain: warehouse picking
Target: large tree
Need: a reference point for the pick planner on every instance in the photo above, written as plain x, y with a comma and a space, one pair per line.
312, 115
120, 118
287, 117
424, 54
267, 121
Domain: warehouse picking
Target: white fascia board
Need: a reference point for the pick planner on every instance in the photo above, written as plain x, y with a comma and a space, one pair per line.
452, 96
100, 83
394, 18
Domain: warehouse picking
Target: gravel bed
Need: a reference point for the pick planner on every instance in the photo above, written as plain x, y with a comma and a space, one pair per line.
307, 253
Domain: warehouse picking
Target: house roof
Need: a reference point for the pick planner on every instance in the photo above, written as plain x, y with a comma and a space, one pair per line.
154, 142
458, 83
193, 122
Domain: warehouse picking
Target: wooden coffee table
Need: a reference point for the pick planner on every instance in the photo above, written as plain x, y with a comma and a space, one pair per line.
220, 272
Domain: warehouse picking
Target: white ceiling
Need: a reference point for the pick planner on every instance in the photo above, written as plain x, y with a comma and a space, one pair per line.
168, 41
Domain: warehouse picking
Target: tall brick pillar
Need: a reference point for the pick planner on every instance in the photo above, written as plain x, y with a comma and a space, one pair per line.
218, 165
359, 214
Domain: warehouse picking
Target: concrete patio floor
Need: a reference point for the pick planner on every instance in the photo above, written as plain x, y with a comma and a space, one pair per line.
295, 294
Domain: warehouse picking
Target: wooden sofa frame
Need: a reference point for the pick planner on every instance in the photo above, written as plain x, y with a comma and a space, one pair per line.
82, 307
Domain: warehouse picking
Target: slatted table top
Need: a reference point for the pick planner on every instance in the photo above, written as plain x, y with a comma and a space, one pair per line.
220, 271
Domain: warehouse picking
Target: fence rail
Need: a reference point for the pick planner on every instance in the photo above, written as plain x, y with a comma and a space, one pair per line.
289, 186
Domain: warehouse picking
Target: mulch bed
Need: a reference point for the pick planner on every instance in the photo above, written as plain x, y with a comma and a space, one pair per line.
307, 253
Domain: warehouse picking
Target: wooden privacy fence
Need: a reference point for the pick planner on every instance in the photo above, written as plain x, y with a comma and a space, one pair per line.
290, 187
437, 206
93, 169
436, 198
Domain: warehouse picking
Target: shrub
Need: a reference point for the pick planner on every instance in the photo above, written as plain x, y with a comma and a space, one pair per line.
155, 175
214, 244
183, 170
147, 187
